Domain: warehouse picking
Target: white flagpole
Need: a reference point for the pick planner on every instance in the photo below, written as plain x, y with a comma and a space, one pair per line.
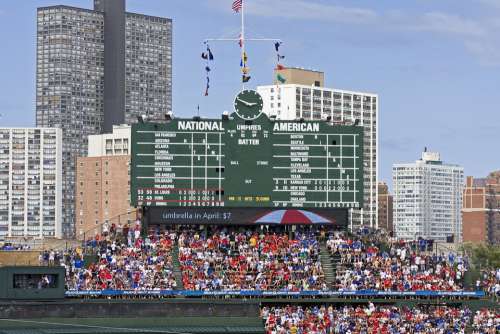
243, 40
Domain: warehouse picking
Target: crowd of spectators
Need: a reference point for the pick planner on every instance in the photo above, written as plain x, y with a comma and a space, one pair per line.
490, 282
8, 246
214, 258
128, 262
395, 265
486, 321
251, 258
327, 319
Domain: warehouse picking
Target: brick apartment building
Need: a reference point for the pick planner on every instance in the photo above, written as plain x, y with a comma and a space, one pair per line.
103, 184
480, 211
384, 207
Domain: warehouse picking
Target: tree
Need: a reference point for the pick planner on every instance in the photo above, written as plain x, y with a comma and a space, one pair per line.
483, 256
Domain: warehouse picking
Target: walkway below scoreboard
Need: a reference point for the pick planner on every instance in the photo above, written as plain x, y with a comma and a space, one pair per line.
240, 163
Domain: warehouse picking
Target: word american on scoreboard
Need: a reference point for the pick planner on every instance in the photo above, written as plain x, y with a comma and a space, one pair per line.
241, 163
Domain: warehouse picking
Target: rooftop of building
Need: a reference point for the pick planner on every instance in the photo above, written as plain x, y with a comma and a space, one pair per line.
303, 69
159, 18
337, 90
68, 7
428, 158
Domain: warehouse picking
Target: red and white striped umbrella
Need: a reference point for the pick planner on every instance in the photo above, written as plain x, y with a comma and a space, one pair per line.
292, 217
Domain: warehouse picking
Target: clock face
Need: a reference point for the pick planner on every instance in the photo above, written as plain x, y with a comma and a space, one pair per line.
248, 104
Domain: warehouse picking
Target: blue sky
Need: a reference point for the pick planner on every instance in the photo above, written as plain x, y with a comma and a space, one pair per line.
434, 64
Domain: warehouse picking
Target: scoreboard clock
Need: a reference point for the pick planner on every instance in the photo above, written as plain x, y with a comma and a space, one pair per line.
248, 105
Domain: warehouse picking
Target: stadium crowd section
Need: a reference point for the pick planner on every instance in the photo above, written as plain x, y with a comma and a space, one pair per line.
228, 259
215, 258
126, 263
402, 267
327, 319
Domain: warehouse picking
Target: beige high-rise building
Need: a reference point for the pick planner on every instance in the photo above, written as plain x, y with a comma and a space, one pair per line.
300, 76
103, 184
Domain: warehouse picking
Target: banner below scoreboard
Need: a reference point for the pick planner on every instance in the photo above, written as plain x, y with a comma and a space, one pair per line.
240, 163
245, 216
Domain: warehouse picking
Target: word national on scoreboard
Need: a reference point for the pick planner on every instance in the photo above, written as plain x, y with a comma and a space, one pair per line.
246, 160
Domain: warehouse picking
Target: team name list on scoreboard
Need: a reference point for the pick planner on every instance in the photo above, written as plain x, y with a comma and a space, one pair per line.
236, 163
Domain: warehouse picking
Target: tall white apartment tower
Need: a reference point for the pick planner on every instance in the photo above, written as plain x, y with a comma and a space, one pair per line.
428, 199
303, 96
30, 182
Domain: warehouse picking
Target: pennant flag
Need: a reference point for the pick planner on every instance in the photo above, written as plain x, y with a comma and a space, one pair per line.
246, 78
280, 78
204, 55
277, 46
237, 4
243, 61
280, 67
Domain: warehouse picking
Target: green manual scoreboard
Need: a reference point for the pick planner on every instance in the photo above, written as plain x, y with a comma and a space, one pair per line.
246, 160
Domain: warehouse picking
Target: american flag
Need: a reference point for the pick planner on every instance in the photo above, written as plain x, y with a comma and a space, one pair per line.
237, 4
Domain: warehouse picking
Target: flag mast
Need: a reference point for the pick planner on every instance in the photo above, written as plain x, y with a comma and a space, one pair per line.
241, 39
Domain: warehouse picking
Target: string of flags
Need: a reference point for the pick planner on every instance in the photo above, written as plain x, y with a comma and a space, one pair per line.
245, 69
208, 56
279, 77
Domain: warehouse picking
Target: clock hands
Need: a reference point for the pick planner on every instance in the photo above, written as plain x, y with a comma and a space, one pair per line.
245, 102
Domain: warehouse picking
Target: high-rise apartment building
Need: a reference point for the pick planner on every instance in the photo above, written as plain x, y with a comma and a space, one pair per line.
30, 182
303, 97
95, 69
385, 207
481, 209
428, 199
